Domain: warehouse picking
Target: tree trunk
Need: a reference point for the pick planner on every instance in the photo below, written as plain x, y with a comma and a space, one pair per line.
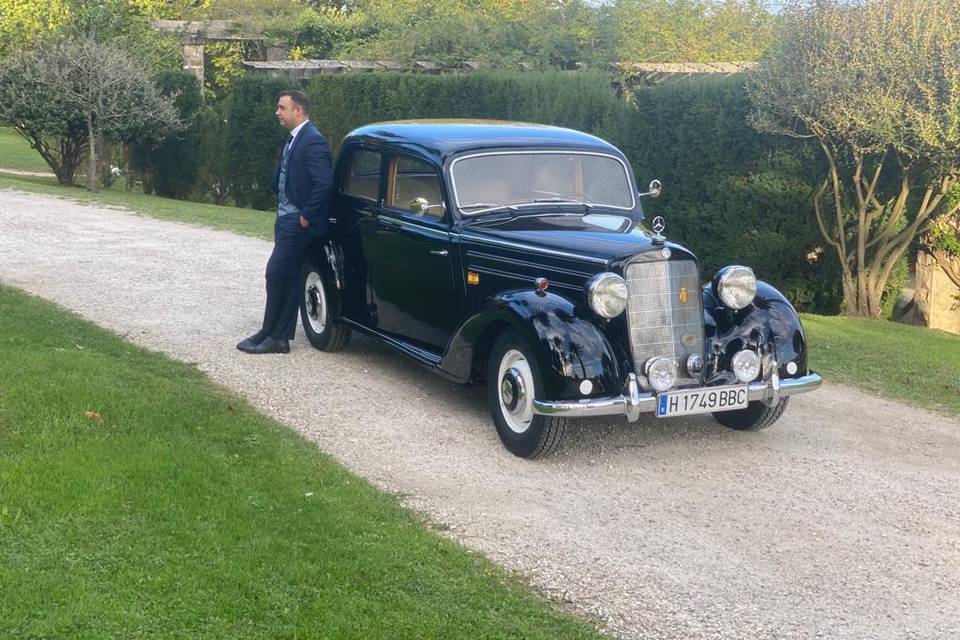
92, 154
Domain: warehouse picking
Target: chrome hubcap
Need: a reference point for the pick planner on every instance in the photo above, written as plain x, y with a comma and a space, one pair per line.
512, 391
516, 390
315, 299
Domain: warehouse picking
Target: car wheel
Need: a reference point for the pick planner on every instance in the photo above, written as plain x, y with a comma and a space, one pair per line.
322, 331
756, 416
513, 381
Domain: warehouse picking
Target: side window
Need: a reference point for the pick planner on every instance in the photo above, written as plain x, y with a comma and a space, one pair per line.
411, 179
363, 176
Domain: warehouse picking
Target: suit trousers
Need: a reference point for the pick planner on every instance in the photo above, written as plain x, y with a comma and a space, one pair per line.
283, 277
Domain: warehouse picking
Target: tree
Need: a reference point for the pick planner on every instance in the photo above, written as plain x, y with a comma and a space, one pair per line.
54, 129
691, 30
81, 93
876, 83
24, 22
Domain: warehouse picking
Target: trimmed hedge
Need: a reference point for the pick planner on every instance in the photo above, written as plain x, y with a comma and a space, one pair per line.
171, 168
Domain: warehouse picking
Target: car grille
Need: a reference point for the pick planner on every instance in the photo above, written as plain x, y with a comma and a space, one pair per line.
665, 313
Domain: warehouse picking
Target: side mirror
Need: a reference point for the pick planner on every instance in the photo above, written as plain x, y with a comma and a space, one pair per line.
420, 207
654, 189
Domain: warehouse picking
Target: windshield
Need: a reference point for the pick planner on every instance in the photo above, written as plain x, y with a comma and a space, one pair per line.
498, 180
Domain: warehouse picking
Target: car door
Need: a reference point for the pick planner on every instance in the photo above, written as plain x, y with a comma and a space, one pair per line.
409, 257
356, 209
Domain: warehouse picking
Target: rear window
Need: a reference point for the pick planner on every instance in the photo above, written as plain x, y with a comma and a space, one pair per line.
363, 177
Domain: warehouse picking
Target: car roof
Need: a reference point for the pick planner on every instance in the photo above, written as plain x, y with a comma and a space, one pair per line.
441, 139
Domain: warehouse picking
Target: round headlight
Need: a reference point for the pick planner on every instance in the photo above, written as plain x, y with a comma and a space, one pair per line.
661, 373
607, 294
746, 365
735, 286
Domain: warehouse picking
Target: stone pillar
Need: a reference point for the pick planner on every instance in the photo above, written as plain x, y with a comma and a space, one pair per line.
936, 304
193, 61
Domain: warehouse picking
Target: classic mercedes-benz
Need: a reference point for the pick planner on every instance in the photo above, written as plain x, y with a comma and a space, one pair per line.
518, 255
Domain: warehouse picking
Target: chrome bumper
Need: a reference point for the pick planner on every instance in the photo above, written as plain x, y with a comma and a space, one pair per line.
632, 402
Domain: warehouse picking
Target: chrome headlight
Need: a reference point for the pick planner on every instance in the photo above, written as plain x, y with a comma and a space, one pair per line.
735, 286
607, 294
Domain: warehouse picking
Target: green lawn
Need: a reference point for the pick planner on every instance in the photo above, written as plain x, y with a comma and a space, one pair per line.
175, 511
919, 365
15, 153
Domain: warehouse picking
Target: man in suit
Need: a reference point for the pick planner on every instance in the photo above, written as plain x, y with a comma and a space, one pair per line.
303, 182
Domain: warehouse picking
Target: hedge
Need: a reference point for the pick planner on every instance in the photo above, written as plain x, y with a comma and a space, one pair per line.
171, 168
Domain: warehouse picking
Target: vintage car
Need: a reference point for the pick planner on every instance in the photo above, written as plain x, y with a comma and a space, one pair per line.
518, 255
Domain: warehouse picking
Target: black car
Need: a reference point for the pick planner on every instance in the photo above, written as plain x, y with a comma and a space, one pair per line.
518, 255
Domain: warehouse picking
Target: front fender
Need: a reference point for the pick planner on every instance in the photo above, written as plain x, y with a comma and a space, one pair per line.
568, 348
769, 320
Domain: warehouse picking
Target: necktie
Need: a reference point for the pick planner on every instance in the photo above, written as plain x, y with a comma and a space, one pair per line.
286, 148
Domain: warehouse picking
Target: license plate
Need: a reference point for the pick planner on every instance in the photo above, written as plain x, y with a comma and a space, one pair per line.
702, 400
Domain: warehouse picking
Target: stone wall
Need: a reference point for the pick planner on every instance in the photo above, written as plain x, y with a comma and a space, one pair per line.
935, 296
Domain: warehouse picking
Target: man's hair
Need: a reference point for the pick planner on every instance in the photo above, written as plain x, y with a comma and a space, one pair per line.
298, 98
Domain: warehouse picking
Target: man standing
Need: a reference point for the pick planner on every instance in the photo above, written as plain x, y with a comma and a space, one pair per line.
303, 182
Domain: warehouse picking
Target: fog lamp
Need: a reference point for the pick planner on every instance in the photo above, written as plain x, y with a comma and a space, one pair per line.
746, 365
661, 373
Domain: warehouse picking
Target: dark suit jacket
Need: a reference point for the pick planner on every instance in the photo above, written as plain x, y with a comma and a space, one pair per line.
309, 177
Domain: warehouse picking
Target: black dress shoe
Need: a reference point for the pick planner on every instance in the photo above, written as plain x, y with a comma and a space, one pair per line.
248, 343
270, 345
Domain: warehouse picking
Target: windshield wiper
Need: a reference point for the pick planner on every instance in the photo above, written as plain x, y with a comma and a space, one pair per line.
586, 205
493, 206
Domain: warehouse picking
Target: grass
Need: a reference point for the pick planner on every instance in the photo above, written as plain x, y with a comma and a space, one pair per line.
919, 365
16, 153
174, 510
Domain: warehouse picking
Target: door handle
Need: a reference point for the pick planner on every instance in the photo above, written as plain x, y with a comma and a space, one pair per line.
438, 252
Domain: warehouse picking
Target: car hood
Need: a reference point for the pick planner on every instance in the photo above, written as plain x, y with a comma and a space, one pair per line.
610, 237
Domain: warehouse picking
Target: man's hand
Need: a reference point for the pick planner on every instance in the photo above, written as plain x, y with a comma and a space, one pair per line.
304, 222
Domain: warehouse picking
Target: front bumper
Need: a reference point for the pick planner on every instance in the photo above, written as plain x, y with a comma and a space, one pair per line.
632, 402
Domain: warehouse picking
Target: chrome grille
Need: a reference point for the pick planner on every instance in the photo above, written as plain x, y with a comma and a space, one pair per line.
658, 318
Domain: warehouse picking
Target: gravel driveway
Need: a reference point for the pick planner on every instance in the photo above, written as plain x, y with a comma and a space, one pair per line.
843, 521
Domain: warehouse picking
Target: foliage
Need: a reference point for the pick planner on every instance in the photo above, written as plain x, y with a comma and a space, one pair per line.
506, 33
52, 126
876, 83
24, 22
223, 65
254, 140
691, 30
122, 23
174, 164
216, 170
943, 242
83, 93
730, 194
325, 32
